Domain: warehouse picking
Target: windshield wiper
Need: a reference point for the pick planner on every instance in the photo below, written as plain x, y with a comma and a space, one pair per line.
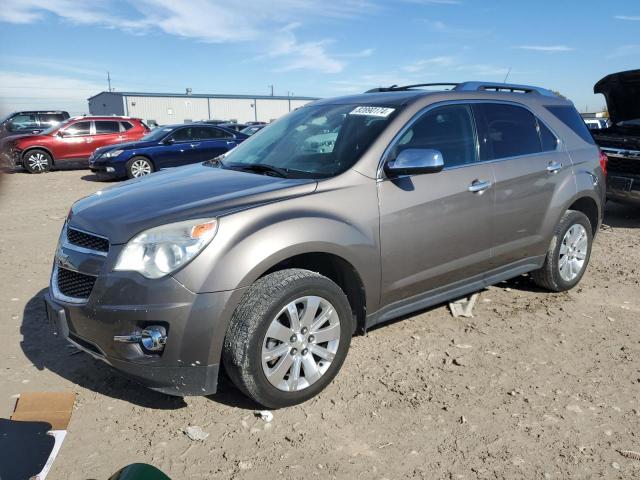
262, 168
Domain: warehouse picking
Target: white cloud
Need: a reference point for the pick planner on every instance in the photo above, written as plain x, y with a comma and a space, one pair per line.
547, 48
211, 21
631, 18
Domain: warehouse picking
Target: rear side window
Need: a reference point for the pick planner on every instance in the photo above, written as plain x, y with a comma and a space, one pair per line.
548, 139
209, 133
448, 129
572, 119
126, 126
507, 131
107, 127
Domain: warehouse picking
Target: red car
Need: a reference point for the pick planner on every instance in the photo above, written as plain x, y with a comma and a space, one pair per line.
73, 140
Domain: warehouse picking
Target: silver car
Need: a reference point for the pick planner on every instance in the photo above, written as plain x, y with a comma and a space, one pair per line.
267, 260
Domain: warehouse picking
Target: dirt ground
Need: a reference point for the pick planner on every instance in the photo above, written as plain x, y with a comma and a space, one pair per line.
536, 385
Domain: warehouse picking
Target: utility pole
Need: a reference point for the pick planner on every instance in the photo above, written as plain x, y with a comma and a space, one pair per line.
271, 86
109, 81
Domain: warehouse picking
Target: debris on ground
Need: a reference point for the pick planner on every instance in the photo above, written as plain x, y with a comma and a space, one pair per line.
463, 307
629, 454
265, 415
196, 433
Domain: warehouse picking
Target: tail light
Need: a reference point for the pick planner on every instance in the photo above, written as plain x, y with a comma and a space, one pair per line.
604, 160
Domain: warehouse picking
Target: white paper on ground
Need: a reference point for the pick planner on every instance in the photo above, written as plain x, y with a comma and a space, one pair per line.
58, 435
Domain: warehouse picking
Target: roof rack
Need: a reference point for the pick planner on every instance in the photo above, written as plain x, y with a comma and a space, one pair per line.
396, 88
471, 87
503, 87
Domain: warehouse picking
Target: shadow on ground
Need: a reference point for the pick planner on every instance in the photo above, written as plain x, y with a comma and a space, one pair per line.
49, 352
620, 215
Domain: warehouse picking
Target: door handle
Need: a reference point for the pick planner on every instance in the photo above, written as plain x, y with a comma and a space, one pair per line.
194, 145
479, 186
554, 167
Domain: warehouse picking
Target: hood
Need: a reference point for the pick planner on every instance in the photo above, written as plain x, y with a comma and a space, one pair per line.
29, 137
125, 146
622, 93
194, 191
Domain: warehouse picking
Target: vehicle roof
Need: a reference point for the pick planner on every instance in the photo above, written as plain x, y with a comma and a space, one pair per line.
104, 117
400, 96
17, 112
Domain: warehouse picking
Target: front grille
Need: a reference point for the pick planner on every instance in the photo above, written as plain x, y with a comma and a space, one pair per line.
74, 284
624, 165
86, 240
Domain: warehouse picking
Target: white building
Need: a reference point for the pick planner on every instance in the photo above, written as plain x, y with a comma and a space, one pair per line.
168, 108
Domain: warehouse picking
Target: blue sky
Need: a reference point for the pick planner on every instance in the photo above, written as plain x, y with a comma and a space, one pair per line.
55, 53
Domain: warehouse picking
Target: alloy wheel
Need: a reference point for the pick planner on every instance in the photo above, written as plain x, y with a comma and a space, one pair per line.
38, 162
300, 343
140, 168
573, 252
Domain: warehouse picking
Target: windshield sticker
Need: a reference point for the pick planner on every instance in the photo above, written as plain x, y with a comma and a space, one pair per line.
382, 112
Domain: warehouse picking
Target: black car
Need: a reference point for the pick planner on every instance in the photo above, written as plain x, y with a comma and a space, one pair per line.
32, 121
621, 141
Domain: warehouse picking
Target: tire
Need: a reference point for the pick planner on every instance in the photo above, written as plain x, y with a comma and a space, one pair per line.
249, 337
551, 276
37, 161
139, 167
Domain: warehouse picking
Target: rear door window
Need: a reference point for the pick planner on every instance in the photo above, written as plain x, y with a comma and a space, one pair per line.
448, 129
107, 126
572, 119
506, 131
547, 138
210, 133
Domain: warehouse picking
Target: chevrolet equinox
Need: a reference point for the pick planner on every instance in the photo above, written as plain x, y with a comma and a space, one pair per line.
266, 260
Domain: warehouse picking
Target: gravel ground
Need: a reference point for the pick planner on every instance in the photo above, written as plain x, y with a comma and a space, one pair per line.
536, 385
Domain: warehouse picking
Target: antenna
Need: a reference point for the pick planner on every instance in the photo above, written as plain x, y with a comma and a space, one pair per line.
507, 75
109, 81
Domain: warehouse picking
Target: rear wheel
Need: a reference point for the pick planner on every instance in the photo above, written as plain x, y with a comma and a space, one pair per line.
139, 167
288, 337
568, 254
37, 161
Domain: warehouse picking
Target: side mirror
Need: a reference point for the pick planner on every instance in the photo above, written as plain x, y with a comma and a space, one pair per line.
168, 141
414, 161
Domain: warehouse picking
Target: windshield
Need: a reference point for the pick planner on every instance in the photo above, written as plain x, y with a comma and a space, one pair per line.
317, 141
157, 134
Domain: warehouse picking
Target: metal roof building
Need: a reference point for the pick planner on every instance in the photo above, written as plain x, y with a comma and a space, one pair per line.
167, 108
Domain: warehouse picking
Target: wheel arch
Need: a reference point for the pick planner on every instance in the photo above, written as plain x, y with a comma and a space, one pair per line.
587, 205
37, 147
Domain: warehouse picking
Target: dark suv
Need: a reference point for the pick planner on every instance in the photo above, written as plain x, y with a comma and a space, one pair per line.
267, 259
30, 121
621, 141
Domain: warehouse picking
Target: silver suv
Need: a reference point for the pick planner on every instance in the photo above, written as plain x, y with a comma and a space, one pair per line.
267, 260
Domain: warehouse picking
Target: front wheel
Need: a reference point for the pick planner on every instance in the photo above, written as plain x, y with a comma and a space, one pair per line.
568, 254
139, 167
288, 337
37, 161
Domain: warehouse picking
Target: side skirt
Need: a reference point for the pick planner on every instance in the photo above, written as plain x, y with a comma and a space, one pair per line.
452, 291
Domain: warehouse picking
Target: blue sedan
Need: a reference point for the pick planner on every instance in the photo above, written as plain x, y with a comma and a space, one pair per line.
170, 146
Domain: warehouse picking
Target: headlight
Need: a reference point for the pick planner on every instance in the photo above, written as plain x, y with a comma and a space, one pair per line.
112, 153
159, 251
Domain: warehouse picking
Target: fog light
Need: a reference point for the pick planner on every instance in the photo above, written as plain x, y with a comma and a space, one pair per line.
154, 338
110, 169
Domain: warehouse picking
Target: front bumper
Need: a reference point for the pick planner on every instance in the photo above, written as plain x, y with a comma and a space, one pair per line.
122, 304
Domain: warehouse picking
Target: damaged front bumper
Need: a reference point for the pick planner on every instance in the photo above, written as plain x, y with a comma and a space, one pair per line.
188, 363
623, 175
